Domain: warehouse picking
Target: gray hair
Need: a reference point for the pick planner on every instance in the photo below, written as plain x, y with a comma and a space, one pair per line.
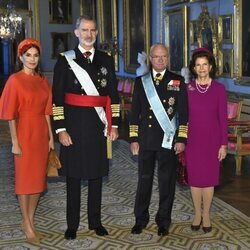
84, 17
156, 45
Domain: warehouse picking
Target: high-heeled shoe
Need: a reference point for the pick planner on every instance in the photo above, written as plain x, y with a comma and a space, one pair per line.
33, 240
196, 227
38, 235
207, 229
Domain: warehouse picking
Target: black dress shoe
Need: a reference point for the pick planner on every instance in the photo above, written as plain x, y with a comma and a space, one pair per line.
196, 227
101, 230
162, 231
207, 229
70, 234
137, 229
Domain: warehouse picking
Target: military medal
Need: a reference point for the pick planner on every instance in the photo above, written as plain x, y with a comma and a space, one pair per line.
158, 78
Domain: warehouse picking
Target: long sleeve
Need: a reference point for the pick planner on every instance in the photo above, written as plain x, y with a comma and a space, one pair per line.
59, 78
182, 113
135, 112
223, 115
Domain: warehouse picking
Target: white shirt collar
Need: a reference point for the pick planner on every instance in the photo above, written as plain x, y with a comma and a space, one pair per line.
92, 50
162, 72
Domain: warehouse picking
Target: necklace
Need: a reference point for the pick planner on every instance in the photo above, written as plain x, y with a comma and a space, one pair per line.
201, 89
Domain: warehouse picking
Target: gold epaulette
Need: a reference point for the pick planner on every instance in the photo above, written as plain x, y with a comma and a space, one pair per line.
58, 113
115, 110
62, 53
133, 130
183, 129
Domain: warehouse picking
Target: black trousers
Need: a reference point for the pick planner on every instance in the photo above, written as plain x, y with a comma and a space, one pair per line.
166, 184
74, 202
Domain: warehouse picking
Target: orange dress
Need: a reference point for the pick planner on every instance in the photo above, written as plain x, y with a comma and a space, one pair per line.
27, 99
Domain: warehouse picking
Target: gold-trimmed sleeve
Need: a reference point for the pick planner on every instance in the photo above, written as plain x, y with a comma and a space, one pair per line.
115, 110
183, 130
133, 130
58, 113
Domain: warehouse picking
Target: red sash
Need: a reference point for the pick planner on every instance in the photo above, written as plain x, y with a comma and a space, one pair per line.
91, 101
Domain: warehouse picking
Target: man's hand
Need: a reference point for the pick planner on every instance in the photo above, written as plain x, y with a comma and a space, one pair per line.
179, 147
114, 134
64, 138
134, 147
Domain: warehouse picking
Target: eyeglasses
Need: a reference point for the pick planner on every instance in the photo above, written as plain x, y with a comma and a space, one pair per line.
159, 57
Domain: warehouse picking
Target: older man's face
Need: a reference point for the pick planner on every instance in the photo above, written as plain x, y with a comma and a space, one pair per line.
159, 58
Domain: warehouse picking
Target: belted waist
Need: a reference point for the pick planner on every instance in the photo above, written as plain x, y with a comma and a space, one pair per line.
91, 101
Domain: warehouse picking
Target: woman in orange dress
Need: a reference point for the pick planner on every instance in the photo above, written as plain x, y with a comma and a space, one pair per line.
26, 104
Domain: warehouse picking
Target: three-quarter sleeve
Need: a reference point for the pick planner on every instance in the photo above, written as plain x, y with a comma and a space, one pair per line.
9, 101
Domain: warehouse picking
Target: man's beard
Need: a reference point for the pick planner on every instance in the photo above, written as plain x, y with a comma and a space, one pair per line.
89, 43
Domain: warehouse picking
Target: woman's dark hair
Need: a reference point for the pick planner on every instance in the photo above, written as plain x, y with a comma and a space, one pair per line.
203, 53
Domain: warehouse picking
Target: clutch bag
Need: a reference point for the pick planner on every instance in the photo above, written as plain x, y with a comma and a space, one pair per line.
53, 164
182, 175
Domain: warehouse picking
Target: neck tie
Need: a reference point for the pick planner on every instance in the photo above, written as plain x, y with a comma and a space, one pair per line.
158, 78
87, 55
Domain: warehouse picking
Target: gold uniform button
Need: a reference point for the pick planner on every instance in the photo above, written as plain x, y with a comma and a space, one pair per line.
164, 100
150, 108
150, 117
149, 125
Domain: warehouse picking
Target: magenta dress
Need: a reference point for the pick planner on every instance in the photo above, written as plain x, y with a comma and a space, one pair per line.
207, 131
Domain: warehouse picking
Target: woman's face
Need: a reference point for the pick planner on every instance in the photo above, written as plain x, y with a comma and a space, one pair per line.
202, 67
30, 59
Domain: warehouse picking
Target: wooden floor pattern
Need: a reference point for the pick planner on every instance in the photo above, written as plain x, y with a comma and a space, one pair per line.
234, 190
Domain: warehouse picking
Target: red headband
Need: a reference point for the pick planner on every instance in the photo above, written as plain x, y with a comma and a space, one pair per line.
26, 44
199, 50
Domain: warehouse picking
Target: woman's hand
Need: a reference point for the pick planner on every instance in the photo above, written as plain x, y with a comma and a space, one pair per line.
51, 143
16, 149
222, 152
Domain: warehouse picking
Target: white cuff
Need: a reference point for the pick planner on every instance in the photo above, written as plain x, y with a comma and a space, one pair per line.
60, 130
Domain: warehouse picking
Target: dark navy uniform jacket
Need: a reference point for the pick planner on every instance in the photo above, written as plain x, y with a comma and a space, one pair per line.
87, 157
144, 127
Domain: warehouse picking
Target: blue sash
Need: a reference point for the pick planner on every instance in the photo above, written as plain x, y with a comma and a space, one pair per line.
169, 127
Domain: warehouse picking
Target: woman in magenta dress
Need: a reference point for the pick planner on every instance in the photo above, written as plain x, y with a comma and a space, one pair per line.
26, 103
207, 135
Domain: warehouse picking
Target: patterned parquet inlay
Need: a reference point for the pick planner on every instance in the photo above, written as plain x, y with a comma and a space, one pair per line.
231, 228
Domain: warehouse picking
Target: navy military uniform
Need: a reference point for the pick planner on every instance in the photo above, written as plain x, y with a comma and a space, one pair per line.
86, 158
145, 129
